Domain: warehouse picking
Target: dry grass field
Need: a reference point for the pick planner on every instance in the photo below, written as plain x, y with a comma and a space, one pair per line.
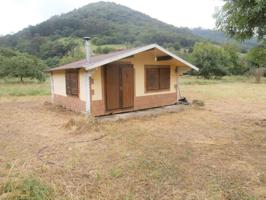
201, 153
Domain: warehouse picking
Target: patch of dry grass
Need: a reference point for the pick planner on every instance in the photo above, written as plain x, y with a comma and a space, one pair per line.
214, 152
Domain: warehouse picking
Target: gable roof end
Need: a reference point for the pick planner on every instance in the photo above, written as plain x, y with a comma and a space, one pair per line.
104, 59
135, 51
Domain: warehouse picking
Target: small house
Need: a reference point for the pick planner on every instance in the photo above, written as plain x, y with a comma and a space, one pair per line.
121, 81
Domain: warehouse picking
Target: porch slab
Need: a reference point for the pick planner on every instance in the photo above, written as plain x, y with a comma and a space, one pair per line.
152, 112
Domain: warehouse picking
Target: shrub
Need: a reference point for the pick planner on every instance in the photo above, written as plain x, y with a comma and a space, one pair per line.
29, 188
212, 60
103, 50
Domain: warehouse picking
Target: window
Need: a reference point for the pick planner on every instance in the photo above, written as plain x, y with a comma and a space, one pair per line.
157, 78
72, 82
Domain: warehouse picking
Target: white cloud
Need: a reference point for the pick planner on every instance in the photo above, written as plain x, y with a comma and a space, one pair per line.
18, 14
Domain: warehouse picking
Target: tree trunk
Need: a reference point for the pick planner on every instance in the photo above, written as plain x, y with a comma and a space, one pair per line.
258, 74
21, 79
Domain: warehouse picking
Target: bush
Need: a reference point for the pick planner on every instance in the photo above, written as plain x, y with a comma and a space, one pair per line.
103, 50
212, 60
21, 65
29, 188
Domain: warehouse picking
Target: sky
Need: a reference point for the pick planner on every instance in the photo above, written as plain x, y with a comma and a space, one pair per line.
18, 14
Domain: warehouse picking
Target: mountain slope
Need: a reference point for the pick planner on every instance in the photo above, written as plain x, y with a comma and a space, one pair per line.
105, 22
220, 37
108, 19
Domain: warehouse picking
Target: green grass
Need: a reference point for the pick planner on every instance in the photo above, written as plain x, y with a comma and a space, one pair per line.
28, 188
193, 80
12, 87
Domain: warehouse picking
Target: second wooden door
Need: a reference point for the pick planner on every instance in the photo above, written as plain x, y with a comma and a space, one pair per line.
119, 86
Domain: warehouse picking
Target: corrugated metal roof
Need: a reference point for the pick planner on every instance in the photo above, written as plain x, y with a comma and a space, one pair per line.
96, 61
93, 59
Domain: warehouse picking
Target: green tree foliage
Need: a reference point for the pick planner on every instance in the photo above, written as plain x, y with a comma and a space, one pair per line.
219, 37
257, 55
215, 61
103, 50
21, 65
256, 58
243, 19
212, 61
176, 46
105, 22
73, 55
236, 65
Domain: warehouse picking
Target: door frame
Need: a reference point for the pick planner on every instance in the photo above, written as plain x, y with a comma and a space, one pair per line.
120, 79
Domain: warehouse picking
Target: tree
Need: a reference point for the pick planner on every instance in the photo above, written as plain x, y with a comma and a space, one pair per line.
73, 55
105, 22
257, 59
237, 66
243, 19
212, 60
257, 55
103, 50
21, 65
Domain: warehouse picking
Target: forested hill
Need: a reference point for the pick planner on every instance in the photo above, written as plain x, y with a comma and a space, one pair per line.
59, 39
107, 23
220, 37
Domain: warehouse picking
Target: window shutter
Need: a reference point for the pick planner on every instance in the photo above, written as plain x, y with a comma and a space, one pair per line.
72, 82
152, 78
164, 78
157, 77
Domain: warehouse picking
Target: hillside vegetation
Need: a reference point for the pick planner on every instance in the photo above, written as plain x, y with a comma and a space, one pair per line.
106, 23
219, 38
113, 27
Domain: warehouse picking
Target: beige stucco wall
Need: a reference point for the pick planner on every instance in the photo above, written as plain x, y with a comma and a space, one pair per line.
139, 61
59, 82
97, 85
148, 58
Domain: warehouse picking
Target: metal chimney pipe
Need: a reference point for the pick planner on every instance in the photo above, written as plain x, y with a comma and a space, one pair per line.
87, 48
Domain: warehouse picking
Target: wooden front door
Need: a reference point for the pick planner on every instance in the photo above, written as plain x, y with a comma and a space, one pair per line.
119, 86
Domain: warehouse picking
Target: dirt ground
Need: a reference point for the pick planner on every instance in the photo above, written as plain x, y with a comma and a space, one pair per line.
209, 153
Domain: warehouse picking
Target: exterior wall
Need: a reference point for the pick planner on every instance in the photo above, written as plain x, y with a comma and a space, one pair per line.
59, 82
140, 103
60, 97
156, 100
98, 108
72, 103
142, 99
147, 58
138, 61
96, 85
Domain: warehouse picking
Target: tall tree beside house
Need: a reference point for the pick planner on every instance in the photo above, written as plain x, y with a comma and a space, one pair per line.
212, 60
257, 60
243, 19
257, 55
237, 65
20, 65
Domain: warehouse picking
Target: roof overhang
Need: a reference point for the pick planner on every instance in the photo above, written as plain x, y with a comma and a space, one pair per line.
104, 59
136, 51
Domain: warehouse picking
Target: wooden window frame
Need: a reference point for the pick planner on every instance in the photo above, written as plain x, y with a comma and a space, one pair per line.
66, 79
146, 67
